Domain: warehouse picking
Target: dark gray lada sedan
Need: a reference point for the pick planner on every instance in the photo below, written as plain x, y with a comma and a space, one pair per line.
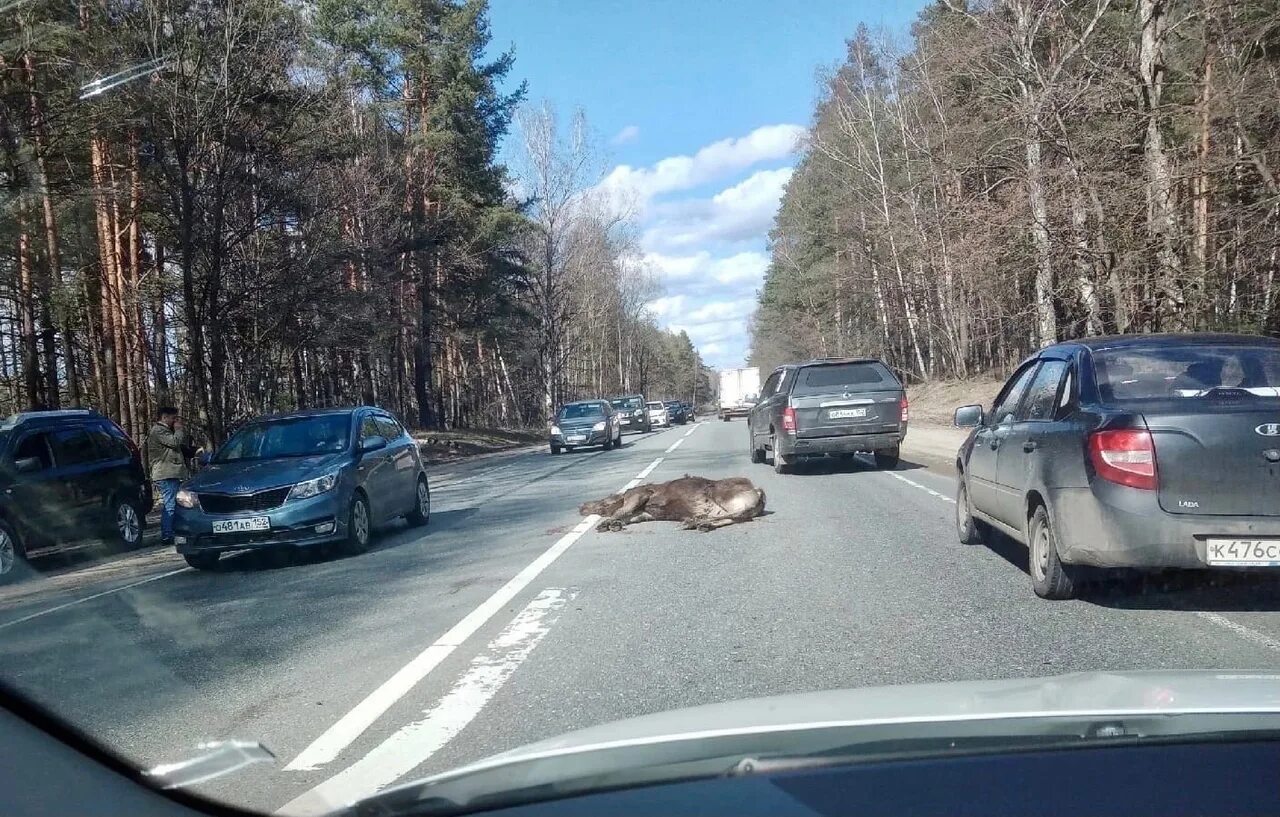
302, 479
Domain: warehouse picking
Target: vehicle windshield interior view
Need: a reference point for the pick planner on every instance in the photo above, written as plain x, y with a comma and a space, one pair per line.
541, 409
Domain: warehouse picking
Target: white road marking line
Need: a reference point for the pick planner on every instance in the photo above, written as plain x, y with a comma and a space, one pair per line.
1244, 632
351, 725
64, 606
633, 483
696, 426
927, 490
414, 743
674, 446
649, 469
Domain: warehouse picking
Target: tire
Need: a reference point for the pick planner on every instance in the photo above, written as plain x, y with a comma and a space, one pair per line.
724, 417
607, 445
555, 449
12, 551
203, 560
421, 513
359, 527
1050, 578
780, 464
967, 529
126, 524
887, 459
757, 454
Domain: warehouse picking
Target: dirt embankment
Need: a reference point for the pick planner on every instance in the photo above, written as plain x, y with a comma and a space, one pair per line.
931, 436
456, 444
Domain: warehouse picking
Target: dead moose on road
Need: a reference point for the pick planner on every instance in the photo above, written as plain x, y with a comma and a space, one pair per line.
697, 502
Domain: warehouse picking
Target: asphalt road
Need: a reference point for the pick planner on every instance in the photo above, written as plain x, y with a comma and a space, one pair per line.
508, 619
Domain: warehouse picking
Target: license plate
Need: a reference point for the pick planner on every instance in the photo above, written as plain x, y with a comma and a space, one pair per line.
253, 523
1243, 552
575, 438
841, 414
626, 422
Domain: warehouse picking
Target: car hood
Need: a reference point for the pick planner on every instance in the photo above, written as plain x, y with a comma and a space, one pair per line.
579, 422
1141, 703
247, 476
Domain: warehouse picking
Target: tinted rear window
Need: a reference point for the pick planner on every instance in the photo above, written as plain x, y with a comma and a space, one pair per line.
628, 403
1187, 371
840, 376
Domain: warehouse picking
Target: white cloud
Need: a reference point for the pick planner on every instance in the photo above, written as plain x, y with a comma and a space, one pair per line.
627, 135
715, 161
704, 268
739, 213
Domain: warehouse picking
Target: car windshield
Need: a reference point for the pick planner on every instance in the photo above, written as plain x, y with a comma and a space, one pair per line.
581, 411
291, 437
1186, 370
328, 330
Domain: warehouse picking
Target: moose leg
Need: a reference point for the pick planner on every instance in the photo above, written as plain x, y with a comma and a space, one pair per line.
706, 525
631, 511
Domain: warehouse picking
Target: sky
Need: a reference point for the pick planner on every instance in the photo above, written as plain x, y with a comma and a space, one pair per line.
699, 105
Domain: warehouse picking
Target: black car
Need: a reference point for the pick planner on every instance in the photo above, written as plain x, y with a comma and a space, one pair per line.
830, 406
1139, 451
633, 412
676, 410
585, 423
68, 475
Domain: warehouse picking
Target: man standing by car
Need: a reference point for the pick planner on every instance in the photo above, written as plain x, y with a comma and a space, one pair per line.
165, 451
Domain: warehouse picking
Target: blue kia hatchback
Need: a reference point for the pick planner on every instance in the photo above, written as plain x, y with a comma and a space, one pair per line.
302, 479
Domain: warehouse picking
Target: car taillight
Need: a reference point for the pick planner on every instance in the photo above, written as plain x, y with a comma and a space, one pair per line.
1126, 456
789, 420
903, 407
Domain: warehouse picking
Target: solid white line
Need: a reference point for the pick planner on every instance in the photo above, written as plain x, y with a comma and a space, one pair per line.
633, 483
95, 596
1244, 632
351, 725
674, 446
414, 743
696, 426
928, 491
649, 469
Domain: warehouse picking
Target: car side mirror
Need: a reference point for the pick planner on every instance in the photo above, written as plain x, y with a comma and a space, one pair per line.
374, 443
969, 417
27, 465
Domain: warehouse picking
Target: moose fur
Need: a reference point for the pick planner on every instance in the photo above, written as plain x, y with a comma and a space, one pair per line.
699, 503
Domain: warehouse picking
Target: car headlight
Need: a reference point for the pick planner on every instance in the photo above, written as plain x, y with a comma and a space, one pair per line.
555, 430
187, 499
313, 487
598, 426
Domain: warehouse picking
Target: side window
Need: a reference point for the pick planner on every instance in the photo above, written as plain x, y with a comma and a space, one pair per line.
770, 386
1042, 397
782, 381
109, 446
1068, 390
37, 445
1007, 403
369, 427
74, 446
388, 428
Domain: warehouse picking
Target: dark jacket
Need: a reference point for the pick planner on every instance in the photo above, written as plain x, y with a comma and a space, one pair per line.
165, 451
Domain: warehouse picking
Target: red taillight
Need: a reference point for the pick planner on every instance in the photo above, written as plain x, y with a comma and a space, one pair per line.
903, 407
789, 420
1127, 457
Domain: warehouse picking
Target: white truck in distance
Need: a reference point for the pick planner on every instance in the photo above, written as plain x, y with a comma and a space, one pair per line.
739, 390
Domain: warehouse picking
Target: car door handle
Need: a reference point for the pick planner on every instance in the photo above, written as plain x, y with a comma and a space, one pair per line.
1030, 445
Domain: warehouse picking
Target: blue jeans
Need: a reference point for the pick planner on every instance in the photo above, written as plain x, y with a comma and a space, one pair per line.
168, 504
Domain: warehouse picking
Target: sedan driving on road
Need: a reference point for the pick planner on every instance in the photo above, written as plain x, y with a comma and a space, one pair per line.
839, 406
1140, 451
302, 479
584, 423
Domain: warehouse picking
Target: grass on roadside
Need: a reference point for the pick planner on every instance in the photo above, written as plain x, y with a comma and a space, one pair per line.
442, 446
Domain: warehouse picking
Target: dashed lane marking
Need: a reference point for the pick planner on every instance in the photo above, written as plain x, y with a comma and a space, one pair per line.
927, 490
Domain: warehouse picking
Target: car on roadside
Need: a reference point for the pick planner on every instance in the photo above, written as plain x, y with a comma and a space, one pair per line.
659, 417
302, 479
68, 475
828, 407
633, 415
676, 410
1137, 451
586, 423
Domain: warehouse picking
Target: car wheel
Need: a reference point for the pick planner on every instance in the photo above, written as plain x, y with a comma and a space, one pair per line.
359, 526
966, 526
203, 560
555, 449
126, 523
1050, 578
421, 513
887, 459
11, 551
757, 454
780, 464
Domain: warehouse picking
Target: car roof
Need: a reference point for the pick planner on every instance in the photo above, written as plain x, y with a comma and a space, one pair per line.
1158, 339
584, 403
316, 412
52, 416
831, 361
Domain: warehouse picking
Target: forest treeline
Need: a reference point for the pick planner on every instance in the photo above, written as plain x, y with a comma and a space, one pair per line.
259, 205
1025, 171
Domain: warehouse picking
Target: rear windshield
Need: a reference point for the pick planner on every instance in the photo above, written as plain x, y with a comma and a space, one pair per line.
839, 376
581, 410
656, 406
626, 403
1187, 371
